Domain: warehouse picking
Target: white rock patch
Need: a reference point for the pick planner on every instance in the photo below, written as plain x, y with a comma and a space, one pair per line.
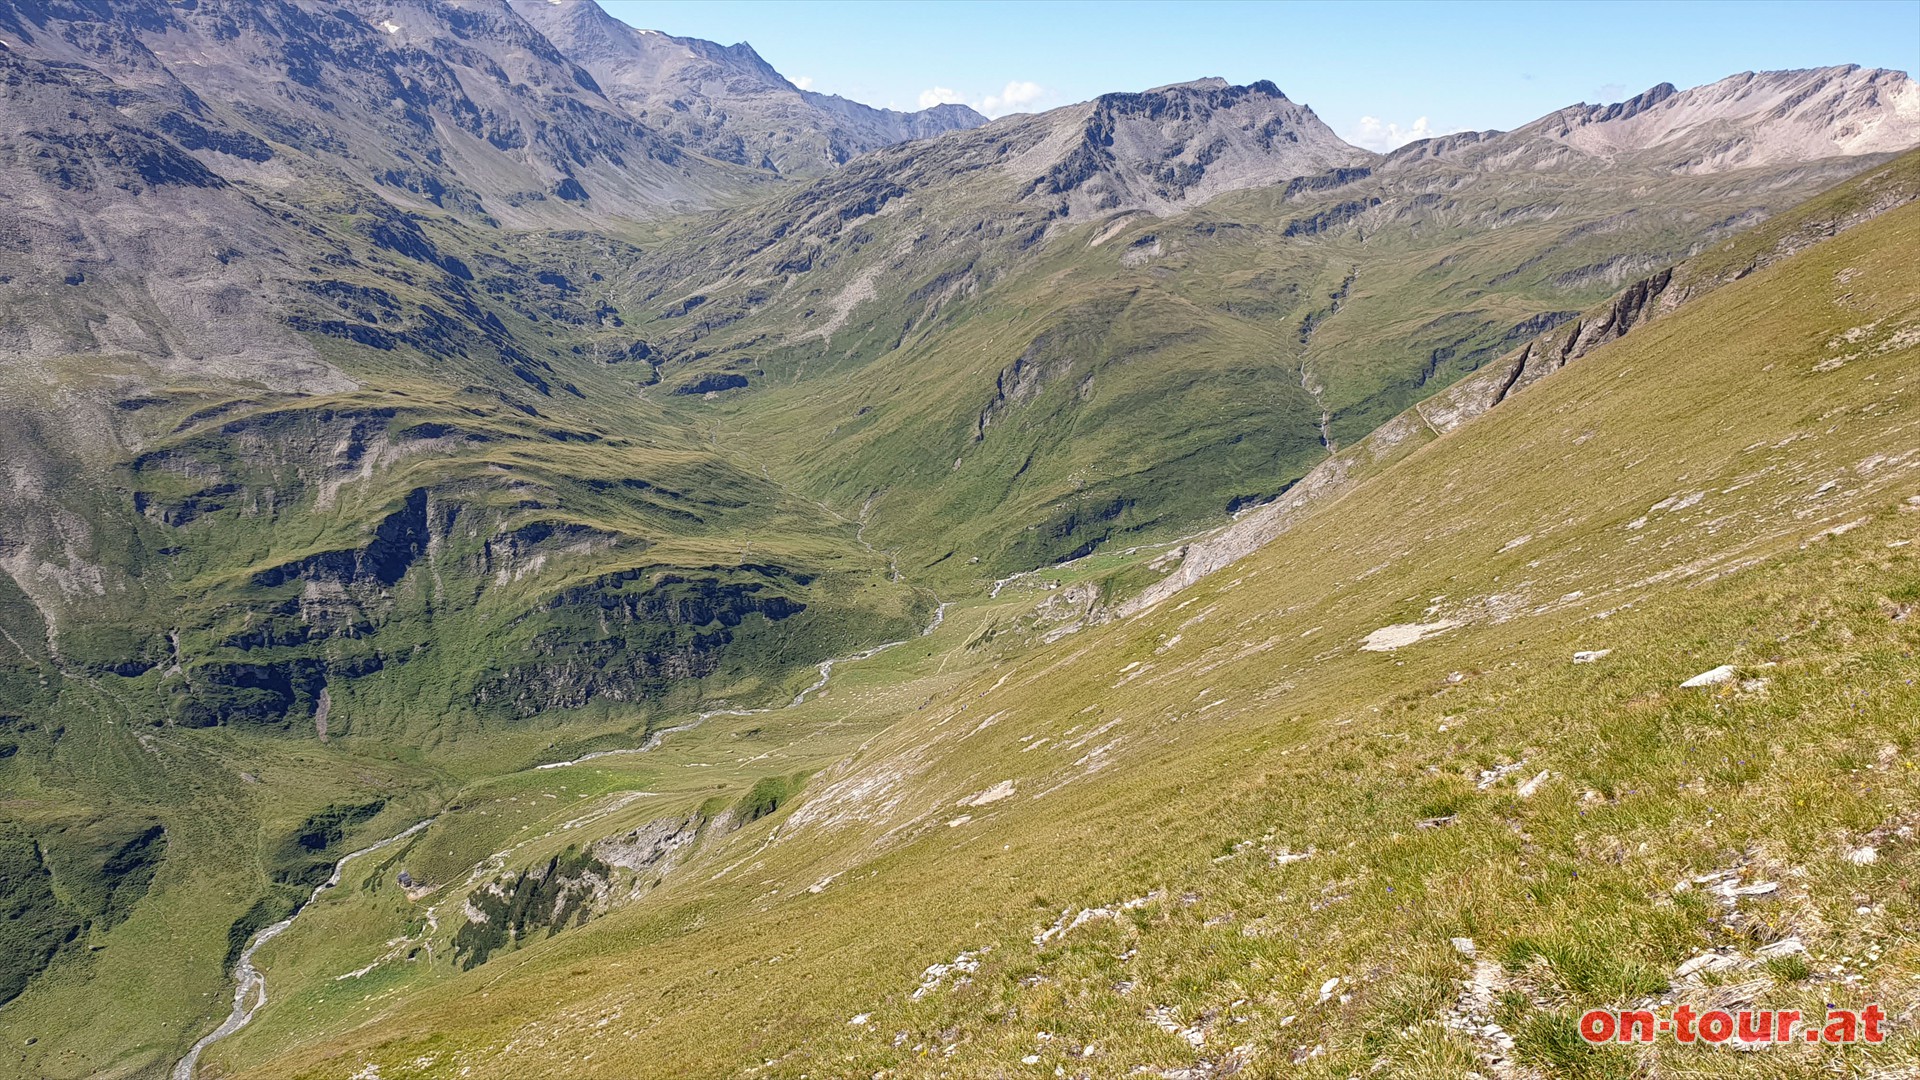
1400, 635
963, 966
1002, 790
1723, 673
1327, 988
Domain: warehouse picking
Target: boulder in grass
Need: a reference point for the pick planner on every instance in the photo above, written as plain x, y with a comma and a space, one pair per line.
1722, 674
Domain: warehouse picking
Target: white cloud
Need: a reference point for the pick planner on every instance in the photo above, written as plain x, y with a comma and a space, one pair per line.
1020, 95
804, 82
1381, 136
1016, 96
938, 95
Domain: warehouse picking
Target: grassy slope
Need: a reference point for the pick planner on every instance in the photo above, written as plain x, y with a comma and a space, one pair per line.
100, 757
1184, 748
1833, 211
1172, 366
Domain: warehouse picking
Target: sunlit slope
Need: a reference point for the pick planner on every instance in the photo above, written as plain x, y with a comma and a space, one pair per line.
1732, 485
984, 385
1655, 296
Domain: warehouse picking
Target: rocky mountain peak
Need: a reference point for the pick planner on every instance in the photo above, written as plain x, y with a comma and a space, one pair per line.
958, 117
1187, 142
1748, 120
726, 101
641, 58
1633, 106
1211, 82
1754, 118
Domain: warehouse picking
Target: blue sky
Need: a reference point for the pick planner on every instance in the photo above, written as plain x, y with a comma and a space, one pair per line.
1374, 71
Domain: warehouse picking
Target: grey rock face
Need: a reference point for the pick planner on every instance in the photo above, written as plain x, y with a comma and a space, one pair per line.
461, 106
1184, 143
1752, 119
724, 101
1744, 121
119, 236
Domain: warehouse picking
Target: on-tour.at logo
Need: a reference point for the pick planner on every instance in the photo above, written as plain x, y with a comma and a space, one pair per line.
1745, 1025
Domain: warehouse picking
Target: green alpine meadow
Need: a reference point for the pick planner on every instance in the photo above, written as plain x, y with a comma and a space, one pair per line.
534, 547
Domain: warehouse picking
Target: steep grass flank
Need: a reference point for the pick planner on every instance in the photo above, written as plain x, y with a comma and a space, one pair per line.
1735, 484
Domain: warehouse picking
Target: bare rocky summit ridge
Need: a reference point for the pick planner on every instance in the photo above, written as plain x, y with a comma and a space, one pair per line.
725, 101
1174, 147
1154, 150
1185, 143
1754, 119
1743, 121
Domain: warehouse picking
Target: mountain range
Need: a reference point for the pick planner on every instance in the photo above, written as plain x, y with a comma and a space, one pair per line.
700, 520
725, 101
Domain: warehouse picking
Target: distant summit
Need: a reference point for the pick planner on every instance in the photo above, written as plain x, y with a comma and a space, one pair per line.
1746, 120
1753, 119
1184, 143
726, 101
